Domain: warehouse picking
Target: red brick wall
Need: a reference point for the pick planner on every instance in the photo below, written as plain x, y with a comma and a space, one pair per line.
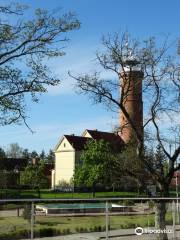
131, 83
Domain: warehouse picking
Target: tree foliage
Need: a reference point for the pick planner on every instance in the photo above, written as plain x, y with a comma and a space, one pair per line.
51, 156
97, 165
25, 48
34, 176
2, 153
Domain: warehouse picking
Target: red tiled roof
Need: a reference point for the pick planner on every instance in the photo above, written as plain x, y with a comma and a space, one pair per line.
112, 138
77, 142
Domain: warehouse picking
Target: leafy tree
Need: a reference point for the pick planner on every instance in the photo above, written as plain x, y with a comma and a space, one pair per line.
130, 168
2, 159
97, 165
34, 154
25, 47
42, 155
51, 156
26, 153
34, 176
2, 153
160, 161
161, 91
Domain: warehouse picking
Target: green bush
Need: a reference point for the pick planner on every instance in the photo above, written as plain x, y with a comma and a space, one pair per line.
27, 212
103, 228
95, 229
58, 232
77, 229
99, 228
46, 232
18, 234
66, 231
151, 204
85, 230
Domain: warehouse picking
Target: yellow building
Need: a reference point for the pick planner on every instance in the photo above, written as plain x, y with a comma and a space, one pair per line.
68, 151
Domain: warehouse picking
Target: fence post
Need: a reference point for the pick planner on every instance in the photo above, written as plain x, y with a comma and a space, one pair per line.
174, 219
32, 220
177, 196
107, 222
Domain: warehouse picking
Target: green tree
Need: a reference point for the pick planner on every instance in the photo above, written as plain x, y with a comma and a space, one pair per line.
26, 46
2, 153
26, 154
34, 176
34, 154
42, 155
51, 157
130, 168
97, 165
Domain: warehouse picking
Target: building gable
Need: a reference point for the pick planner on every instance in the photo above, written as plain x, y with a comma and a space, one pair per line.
86, 134
64, 145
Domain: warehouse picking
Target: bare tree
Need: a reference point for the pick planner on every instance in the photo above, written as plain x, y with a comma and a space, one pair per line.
25, 48
161, 95
14, 151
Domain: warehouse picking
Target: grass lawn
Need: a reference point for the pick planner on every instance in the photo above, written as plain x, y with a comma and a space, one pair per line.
11, 193
10, 227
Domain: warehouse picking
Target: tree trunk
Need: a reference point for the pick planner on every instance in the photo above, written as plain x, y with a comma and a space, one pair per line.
160, 223
160, 206
93, 190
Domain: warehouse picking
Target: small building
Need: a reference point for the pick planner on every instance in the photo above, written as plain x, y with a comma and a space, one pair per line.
69, 149
175, 182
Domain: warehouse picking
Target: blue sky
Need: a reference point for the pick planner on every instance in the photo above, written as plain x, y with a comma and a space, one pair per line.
62, 111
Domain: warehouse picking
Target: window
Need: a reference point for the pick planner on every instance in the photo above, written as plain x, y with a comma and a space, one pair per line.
64, 145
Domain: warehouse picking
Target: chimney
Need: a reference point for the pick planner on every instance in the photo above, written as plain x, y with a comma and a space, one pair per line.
35, 161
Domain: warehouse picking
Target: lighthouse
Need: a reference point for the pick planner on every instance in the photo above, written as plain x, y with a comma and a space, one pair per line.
131, 78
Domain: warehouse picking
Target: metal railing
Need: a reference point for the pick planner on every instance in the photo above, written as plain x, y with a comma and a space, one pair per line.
108, 212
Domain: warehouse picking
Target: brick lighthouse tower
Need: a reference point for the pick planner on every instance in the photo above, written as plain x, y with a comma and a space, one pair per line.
131, 90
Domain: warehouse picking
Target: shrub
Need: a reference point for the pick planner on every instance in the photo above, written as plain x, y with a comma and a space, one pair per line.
66, 231
18, 234
95, 229
27, 212
46, 232
77, 229
104, 228
99, 229
85, 230
151, 204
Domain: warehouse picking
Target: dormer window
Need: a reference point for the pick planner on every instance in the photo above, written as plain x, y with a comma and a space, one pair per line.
64, 145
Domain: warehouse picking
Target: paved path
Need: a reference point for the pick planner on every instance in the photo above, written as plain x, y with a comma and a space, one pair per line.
123, 234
